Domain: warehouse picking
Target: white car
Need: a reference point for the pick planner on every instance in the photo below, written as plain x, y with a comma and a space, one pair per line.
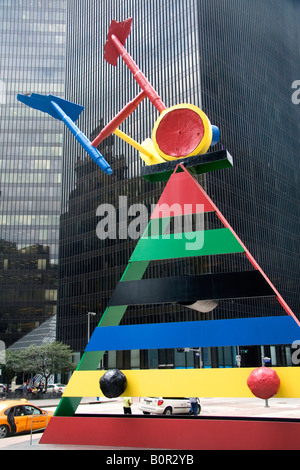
56, 388
167, 406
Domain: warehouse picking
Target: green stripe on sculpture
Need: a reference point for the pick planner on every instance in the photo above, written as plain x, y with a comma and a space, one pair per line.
183, 245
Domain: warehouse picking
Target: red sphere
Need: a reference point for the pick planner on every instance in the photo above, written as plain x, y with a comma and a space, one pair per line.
263, 382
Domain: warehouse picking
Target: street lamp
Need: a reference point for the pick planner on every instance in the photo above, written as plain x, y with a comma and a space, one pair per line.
89, 324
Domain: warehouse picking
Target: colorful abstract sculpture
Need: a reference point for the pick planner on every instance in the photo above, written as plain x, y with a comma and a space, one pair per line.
186, 191
181, 133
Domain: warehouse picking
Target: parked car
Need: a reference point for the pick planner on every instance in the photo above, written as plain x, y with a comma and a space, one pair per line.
56, 388
18, 416
165, 405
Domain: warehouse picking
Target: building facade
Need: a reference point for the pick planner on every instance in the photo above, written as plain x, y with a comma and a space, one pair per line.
236, 61
32, 60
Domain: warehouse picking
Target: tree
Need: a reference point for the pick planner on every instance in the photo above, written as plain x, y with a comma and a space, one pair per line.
14, 364
46, 360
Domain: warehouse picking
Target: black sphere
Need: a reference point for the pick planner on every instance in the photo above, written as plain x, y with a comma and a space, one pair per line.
113, 383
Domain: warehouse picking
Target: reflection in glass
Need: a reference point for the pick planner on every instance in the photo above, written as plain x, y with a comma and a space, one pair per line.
32, 60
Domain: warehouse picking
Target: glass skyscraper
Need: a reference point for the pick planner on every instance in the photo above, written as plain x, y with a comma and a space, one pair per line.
32, 57
236, 61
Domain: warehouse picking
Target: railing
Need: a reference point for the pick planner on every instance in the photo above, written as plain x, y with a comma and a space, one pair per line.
30, 396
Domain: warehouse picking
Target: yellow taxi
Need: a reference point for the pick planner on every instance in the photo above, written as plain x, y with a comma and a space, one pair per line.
20, 416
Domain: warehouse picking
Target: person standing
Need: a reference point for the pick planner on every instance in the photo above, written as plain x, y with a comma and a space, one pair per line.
11, 420
194, 406
127, 402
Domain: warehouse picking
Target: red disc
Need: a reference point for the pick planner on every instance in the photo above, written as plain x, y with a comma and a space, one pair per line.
179, 132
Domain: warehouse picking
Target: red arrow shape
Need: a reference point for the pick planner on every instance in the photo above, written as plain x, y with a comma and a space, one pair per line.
121, 30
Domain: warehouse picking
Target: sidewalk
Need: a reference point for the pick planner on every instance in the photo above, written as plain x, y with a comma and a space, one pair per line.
219, 407
238, 407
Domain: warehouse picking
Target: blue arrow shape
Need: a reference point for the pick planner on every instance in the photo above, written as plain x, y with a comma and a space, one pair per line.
43, 103
67, 112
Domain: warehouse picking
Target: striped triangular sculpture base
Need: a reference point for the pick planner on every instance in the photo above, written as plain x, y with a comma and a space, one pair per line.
183, 195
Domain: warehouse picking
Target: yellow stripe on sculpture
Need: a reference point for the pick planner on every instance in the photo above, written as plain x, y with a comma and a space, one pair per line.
230, 382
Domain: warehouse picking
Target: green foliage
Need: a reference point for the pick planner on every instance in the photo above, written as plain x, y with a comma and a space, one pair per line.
46, 360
